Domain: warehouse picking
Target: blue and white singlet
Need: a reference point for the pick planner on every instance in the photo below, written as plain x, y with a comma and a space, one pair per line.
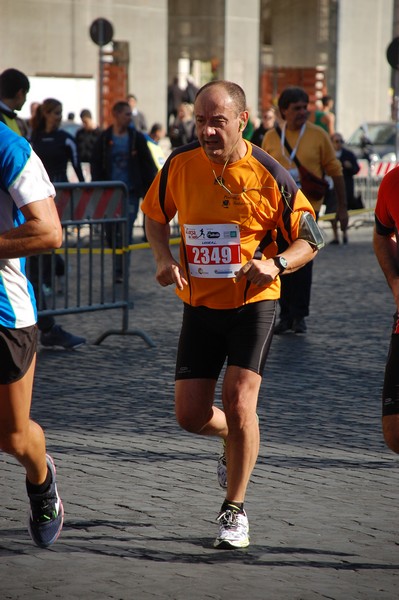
23, 180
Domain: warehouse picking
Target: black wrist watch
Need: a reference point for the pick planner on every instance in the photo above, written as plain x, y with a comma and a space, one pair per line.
281, 263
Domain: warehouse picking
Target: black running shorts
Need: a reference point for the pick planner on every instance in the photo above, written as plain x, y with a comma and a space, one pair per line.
209, 336
17, 349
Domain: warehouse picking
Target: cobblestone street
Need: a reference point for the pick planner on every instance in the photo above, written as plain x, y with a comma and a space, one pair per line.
141, 496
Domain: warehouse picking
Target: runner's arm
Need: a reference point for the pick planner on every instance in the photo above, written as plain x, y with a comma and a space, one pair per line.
263, 272
386, 251
41, 231
169, 271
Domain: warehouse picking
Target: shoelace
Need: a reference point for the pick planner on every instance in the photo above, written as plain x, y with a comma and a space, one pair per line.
229, 519
43, 510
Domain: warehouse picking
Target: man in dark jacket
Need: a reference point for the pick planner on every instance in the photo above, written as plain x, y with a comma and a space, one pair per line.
121, 154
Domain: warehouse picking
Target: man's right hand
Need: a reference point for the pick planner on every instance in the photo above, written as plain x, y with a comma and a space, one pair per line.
171, 274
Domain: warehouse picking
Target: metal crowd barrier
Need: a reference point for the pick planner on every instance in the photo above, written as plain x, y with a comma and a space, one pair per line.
367, 188
367, 183
91, 270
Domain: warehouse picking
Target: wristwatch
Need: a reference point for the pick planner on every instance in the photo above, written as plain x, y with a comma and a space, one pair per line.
281, 263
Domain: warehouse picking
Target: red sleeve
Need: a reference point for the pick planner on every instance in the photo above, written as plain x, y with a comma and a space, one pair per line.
387, 206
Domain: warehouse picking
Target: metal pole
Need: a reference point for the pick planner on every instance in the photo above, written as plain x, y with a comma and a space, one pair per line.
396, 80
101, 70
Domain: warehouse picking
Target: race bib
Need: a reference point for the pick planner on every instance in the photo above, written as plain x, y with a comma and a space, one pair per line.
213, 251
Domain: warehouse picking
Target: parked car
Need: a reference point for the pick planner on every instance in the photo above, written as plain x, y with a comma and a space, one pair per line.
374, 141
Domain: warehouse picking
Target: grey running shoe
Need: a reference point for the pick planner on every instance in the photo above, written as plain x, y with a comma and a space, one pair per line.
57, 336
46, 513
283, 326
222, 468
299, 326
233, 530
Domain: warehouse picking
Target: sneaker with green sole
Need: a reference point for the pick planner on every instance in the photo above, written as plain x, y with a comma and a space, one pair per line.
46, 512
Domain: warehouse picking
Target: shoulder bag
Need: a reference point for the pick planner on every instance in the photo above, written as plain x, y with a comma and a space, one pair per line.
312, 186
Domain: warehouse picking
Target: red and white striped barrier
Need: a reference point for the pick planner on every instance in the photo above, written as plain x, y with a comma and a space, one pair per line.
94, 200
380, 168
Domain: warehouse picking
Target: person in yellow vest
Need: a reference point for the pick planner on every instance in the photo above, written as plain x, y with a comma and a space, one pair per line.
157, 133
295, 141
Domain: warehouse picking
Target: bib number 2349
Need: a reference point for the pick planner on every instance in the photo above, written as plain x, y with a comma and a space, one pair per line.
213, 251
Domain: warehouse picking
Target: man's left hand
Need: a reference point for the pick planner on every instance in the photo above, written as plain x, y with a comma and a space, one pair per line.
258, 272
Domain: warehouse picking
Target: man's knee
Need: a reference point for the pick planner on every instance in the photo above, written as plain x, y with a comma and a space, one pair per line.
189, 420
194, 404
390, 428
189, 424
240, 405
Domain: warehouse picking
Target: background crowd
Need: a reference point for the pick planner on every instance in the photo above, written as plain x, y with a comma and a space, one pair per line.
130, 151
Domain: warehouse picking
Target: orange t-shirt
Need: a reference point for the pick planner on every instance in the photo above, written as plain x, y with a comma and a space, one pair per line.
222, 231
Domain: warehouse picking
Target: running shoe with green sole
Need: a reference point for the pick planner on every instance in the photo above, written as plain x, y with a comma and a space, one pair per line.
46, 512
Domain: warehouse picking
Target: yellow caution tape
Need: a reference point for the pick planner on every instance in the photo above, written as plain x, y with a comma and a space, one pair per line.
70, 250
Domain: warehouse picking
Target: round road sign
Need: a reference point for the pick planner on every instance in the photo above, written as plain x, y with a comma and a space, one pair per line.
393, 53
101, 32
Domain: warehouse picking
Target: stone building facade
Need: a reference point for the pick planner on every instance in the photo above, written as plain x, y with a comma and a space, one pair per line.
345, 40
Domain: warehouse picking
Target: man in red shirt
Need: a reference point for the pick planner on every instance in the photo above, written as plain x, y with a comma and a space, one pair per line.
386, 249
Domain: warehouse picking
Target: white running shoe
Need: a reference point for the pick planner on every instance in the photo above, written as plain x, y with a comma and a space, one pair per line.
233, 530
